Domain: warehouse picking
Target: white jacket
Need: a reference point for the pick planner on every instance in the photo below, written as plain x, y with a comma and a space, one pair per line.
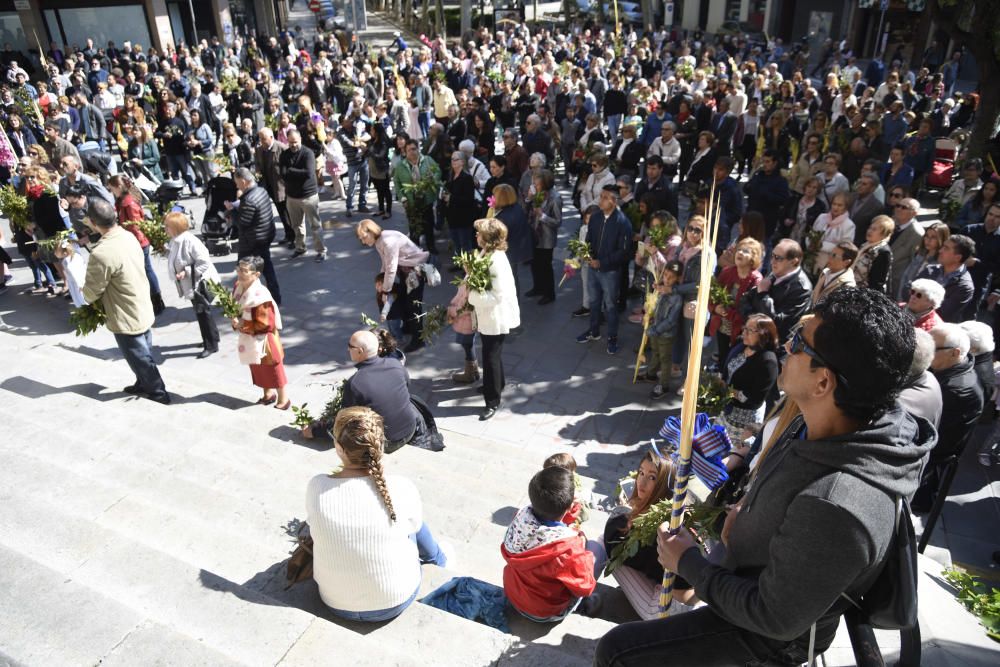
496, 312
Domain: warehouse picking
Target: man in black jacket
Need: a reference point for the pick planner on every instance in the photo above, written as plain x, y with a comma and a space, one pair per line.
297, 166
381, 384
961, 401
255, 226
608, 236
785, 294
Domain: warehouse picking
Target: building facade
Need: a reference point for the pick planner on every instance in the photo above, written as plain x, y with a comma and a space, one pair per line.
33, 25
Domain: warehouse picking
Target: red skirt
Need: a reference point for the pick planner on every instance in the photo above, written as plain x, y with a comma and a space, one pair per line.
270, 372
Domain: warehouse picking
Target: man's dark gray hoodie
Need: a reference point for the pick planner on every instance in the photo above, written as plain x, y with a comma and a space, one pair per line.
815, 523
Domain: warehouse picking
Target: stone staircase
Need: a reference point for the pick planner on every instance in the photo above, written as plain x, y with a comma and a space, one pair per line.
135, 533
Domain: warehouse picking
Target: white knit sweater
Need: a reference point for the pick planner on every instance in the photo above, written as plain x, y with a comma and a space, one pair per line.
362, 560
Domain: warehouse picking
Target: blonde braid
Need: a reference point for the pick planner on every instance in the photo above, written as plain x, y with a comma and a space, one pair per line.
359, 432
378, 476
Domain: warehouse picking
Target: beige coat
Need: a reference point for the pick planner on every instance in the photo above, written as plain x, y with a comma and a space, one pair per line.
116, 277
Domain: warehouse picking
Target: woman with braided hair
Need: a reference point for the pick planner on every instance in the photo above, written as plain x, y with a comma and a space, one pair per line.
369, 539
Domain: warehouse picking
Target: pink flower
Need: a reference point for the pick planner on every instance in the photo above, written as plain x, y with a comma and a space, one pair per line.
491, 201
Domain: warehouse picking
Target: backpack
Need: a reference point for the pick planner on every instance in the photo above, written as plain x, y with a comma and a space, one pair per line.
891, 601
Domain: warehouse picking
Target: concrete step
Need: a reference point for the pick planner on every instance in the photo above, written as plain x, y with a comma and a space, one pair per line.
186, 598
50, 619
102, 495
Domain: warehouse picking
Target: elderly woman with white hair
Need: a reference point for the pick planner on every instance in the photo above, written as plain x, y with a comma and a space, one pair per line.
981, 346
926, 296
526, 188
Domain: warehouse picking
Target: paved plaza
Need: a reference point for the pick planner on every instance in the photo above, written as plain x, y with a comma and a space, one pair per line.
137, 533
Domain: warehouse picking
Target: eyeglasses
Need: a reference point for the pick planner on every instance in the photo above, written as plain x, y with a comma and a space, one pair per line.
902, 207
778, 258
697, 230
798, 344
895, 194
917, 293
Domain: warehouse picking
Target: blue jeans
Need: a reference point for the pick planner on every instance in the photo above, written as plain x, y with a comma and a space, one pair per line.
154, 284
603, 288
614, 124
138, 353
428, 548
179, 166
424, 121
39, 270
376, 615
464, 238
358, 172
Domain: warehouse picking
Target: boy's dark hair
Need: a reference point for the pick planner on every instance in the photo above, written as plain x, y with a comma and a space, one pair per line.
675, 268
868, 341
563, 460
551, 492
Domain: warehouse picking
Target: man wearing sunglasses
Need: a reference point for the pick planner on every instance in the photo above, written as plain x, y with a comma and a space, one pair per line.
952, 273
905, 240
817, 522
785, 294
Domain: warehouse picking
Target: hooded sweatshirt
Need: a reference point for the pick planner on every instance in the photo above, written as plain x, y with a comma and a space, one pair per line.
816, 522
548, 565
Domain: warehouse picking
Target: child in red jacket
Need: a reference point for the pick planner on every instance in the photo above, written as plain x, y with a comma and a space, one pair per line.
551, 567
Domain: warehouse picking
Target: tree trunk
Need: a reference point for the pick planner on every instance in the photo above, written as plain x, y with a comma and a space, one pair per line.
441, 24
424, 22
975, 32
647, 15
987, 112
466, 22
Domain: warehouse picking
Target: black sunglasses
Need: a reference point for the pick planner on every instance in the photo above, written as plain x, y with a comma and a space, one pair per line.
798, 344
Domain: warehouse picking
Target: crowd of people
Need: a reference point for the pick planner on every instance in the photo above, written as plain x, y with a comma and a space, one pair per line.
851, 335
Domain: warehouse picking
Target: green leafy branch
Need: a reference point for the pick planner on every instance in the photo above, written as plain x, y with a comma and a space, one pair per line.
230, 307
87, 319
477, 271
979, 599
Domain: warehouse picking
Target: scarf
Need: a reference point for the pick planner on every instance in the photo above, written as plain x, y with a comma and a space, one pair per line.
863, 264
253, 348
687, 252
838, 221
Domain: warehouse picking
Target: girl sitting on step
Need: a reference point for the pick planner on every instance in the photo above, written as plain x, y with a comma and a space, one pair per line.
369, 538
640, 577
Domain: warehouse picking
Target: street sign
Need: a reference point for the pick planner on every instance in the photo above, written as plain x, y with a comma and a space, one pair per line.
314, 6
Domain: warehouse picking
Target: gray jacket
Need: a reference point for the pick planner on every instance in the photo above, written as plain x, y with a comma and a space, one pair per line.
815, 523
547, 220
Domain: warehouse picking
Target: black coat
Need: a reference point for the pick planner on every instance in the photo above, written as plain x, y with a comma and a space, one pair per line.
962, 402
255, 219
298, 169
878, 274
381, 384
462, 209
785, 303
754, 379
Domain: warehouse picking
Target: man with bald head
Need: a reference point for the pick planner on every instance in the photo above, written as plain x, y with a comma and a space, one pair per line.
380, 384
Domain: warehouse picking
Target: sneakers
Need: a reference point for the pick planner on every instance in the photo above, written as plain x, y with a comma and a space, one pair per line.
588, 336
298, 253
659, 391
612, 344
320, 257
636, 318
581, 312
